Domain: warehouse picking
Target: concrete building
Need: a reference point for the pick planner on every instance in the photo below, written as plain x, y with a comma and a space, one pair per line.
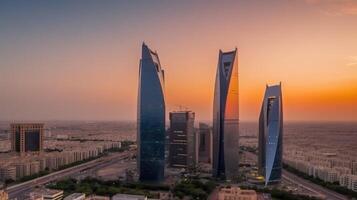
235, 193
49, 194
128, 197
75, 196
205, 143
8, 173
97, 197
182, 140
226, 117
354, 167
270, 155
349, 181
27, 137
151, 118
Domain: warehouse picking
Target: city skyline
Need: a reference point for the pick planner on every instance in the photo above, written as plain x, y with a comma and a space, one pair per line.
60, 61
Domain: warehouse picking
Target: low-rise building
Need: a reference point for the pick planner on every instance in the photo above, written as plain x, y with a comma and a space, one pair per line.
75, 196
96, 197
235, 193
349, 181
128, 197
49, 194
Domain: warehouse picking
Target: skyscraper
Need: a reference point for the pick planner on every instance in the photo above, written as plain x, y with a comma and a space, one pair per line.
205, 143
151, 117
27, 137
226, 117
271, 135
182, 146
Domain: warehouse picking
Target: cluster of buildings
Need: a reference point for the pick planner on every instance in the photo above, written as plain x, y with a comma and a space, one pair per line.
325, 166
220, 147
28, 157
184, 145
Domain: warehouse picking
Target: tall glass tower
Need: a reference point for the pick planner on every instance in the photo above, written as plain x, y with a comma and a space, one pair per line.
271, 135
151, 118
226, 117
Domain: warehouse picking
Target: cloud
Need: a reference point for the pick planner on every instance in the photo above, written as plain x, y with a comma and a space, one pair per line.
353, 61
335, 7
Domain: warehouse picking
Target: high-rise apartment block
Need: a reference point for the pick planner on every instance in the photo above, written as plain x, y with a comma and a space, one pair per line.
27, 137
182, 140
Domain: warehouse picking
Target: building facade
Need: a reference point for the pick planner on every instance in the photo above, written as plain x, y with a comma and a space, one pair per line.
151, 118
205, 143
182, 140
235, 193
27, 137
270, 154
226, 117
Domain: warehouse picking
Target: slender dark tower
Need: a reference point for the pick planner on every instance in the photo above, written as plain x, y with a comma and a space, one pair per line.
226, 117
271, 135
151, 118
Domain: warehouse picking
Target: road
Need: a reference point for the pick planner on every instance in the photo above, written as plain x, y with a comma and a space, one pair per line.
323, 192
17, 191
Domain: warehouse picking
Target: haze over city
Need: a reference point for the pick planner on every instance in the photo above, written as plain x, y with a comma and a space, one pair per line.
79, 60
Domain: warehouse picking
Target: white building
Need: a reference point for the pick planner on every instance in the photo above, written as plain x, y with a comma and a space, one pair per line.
75, 196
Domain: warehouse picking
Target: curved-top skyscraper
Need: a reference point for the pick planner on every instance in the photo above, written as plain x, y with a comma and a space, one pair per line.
271, 135
151, 118
226, 117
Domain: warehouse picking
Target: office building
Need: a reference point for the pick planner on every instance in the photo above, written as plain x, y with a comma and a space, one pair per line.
204, 143
182, 141
270, 154
226, 117
151, 118
235, 193
27, 137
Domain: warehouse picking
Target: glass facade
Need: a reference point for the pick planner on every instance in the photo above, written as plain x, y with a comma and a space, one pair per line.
182, 148
27, 137
226, 117
271, 135
151, 118
32, 140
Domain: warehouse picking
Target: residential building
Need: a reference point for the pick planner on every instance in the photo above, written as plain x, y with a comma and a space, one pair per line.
226, 117
151, 118
349, 181
205, 143
27, 137
235, 193
270, 155
182, 140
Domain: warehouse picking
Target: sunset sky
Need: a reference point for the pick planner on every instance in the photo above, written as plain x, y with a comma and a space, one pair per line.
79, 60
